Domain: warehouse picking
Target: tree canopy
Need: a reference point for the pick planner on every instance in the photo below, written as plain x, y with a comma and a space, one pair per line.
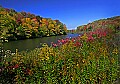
20, 25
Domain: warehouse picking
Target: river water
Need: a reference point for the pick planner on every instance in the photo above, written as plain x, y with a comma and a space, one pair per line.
30, 44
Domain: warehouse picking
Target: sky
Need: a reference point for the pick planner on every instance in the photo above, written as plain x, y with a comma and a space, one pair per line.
73, 13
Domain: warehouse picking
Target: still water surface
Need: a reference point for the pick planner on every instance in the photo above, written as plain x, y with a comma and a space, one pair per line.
30, 44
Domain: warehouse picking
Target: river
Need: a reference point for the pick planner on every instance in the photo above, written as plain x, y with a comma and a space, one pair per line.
30, 44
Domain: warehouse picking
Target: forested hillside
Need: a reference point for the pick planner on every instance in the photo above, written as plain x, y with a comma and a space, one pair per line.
111, 23
21, 25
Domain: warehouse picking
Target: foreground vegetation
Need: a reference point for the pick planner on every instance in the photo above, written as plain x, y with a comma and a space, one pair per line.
21, 25
88, 59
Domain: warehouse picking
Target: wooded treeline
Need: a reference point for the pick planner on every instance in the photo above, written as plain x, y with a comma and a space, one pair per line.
21, 25
111, 23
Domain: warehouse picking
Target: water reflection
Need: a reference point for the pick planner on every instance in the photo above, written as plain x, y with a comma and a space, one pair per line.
30, 44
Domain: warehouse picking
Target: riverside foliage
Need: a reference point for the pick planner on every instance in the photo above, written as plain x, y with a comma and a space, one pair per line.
92, 58
21, 25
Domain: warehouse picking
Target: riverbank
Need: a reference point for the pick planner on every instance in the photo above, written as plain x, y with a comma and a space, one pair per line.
24, 38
